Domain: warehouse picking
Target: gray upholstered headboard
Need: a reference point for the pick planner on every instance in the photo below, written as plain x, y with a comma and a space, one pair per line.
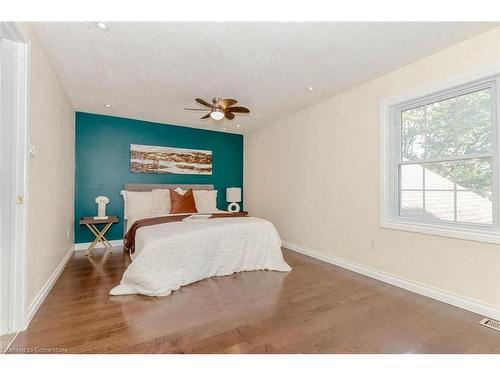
150, 187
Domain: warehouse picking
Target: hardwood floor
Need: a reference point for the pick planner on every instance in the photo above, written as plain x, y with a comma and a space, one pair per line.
316, 308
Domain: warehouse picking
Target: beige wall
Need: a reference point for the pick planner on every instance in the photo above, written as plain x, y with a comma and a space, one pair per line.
51, 172
315, 175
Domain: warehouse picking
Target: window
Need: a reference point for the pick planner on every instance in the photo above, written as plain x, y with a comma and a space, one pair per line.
441, 163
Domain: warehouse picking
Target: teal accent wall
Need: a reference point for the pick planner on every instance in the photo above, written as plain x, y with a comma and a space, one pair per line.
103, 162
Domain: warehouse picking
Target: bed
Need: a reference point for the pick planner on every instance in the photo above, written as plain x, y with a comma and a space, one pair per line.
174, 252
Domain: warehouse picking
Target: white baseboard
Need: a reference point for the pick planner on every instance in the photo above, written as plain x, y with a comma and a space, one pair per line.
426, 290
43, 293
85, 245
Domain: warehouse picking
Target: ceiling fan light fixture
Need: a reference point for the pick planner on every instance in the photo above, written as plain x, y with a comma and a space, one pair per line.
220, 109
217, 115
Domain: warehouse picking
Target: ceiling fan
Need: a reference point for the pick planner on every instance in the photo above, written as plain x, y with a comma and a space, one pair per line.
219, 109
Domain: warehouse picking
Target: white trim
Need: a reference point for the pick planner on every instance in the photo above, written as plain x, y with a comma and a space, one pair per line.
44, 292
18, 118
436, 229
387, 217
19, 288
413, 286
85, 245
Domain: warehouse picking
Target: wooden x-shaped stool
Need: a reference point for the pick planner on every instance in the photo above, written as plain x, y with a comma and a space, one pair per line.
91, 223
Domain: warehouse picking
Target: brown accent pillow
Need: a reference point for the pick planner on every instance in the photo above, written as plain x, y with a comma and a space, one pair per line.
182, 203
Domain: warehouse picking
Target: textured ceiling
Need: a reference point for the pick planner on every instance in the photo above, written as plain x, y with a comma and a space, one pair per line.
151, 71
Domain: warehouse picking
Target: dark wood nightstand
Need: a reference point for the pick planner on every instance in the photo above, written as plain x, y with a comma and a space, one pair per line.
92, 223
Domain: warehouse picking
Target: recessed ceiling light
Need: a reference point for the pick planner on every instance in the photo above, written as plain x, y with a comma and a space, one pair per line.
310, 88
238, 126
107, 105
223, 128
102, 25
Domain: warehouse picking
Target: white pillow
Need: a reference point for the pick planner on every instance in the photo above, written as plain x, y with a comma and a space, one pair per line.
161, 201
137, 202
205, 201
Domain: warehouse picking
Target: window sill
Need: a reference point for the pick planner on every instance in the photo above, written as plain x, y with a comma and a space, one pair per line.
444, 231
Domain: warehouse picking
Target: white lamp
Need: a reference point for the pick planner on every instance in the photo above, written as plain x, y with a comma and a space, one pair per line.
233, 195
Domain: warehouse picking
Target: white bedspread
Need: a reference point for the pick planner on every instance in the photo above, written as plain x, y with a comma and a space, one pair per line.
171, 255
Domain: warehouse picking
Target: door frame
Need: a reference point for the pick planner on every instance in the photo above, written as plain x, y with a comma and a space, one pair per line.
14, 112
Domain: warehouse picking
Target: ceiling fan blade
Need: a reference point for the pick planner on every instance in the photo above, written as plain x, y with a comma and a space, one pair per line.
196, 109
238, 110
206, 116
202, 102
228, 115
224, 103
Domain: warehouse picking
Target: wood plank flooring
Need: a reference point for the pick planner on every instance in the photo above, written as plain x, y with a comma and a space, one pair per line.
316, 308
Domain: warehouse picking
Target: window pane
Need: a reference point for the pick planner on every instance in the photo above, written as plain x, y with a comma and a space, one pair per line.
439, 205
474, 191
453, 127
474, 208
439, 176
412, 177
476, 175
413, 133
440, 135
412, 204
473, 123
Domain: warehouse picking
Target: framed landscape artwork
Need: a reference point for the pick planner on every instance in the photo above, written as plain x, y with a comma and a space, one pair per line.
169, 160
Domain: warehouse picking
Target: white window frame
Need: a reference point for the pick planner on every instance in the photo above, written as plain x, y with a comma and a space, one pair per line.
390, 147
